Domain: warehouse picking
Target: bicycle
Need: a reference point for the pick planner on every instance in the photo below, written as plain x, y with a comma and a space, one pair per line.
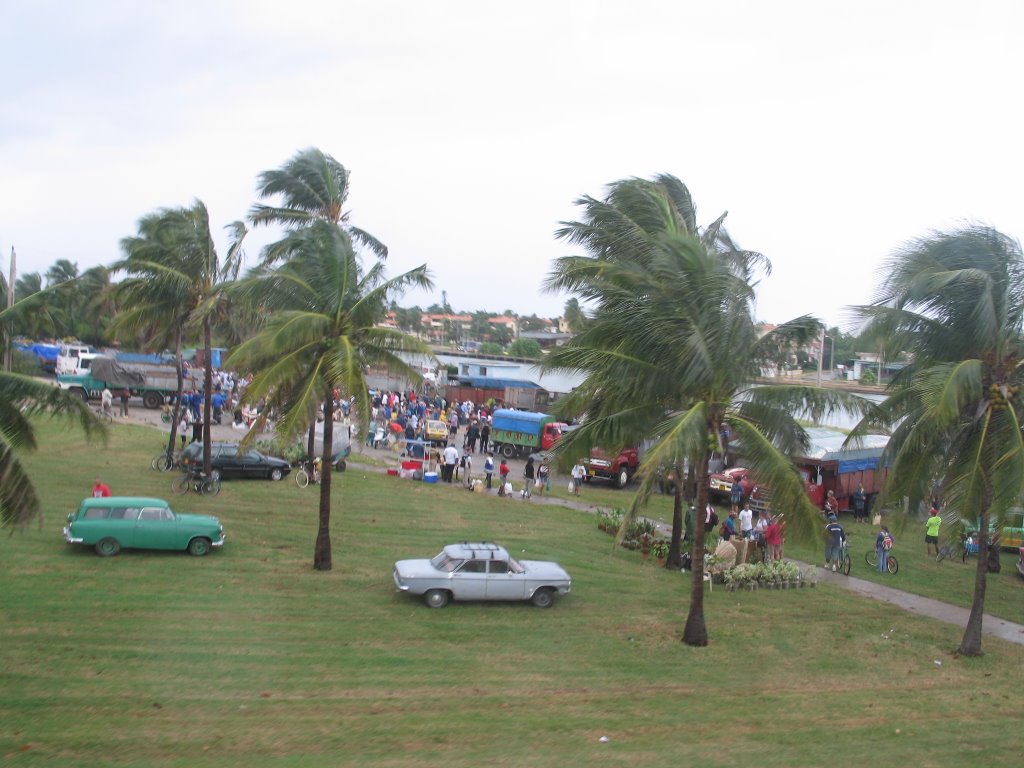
952, 550
164, 461
307, 471
871, 557
196, 481
843, 561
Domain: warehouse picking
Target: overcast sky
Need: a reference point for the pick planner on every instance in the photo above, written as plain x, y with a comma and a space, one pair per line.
831, 132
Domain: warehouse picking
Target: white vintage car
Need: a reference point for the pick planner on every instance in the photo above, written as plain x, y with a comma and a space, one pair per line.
481, 571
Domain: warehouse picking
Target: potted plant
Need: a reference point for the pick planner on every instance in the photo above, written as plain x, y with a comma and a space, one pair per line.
646, 541
660, 550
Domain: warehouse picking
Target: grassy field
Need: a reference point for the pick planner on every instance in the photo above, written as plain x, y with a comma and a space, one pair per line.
248, 657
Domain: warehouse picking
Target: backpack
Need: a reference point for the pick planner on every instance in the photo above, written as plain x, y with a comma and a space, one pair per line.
714, 520
887, 542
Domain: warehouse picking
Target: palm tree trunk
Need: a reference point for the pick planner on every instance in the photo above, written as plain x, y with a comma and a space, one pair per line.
207, 387
674, 559
177, 399
322, 549
970, 644
696, 631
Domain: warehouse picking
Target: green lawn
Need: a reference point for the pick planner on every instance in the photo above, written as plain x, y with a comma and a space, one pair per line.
248, 657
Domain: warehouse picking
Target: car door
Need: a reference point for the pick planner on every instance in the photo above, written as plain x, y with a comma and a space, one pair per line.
227, 460
155, 528
253, 465
503, 583
469, 582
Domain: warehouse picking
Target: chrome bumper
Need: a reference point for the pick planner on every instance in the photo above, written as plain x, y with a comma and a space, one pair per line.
69, 538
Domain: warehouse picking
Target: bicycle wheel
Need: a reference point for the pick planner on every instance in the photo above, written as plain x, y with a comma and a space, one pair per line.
871, 558
164, 463
893, 565
210, 486
181, 485
943, 554
844, 563
301, 478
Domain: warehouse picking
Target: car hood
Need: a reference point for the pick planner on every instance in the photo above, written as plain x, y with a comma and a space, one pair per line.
417, 569
191, 519
544, 569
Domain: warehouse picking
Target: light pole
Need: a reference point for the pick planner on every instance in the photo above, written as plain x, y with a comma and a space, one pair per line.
821, 354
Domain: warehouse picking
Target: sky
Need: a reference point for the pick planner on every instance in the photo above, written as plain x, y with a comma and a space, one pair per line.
831, 132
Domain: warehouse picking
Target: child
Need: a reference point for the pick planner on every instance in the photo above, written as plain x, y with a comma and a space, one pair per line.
503, 471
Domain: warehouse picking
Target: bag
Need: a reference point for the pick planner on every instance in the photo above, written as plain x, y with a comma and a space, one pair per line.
508, 489
713, 521
876, 520
887, 542
572, 486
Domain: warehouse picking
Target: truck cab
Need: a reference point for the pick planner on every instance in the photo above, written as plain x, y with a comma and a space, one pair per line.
618, 470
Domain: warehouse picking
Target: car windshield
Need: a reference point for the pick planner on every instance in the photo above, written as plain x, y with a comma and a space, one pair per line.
443, 562
515, 567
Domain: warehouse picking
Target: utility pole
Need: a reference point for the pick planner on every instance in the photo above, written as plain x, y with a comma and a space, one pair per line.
9, 351
821, 353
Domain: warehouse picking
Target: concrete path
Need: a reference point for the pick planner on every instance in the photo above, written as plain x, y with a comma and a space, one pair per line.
924, 606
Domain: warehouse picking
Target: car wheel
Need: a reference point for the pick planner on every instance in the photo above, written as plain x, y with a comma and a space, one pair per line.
623, 478
341, 465
199, 546
276, 474
152, 400
108, 547
508, 450
543, 598
436, 598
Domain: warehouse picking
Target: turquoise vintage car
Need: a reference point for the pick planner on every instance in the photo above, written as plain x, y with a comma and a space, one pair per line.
115, 522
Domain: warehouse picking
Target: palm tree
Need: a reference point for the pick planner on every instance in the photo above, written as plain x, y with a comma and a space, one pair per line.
955, 302
671, 352
175, 285
321, 334
312, 186
22, 397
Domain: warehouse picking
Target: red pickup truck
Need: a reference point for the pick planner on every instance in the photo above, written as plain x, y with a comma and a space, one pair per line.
619, 471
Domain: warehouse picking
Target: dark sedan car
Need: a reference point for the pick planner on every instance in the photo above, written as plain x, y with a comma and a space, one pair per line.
228, 462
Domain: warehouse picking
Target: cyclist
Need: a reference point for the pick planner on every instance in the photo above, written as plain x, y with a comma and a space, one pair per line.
836, 536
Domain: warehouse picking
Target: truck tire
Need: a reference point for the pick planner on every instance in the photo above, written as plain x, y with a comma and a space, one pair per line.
622, 478
507, 450
152, 400
81, 393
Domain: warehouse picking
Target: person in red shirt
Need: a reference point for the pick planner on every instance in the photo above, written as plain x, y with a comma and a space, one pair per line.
773, 539
503, 471
99, 489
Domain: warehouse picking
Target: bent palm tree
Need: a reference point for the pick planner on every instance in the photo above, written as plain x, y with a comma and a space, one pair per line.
955, 301
321, 333
671, 353
175, 284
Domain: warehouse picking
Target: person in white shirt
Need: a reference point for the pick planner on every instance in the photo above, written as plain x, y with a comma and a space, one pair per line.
451, 458
578, 472
746, 522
